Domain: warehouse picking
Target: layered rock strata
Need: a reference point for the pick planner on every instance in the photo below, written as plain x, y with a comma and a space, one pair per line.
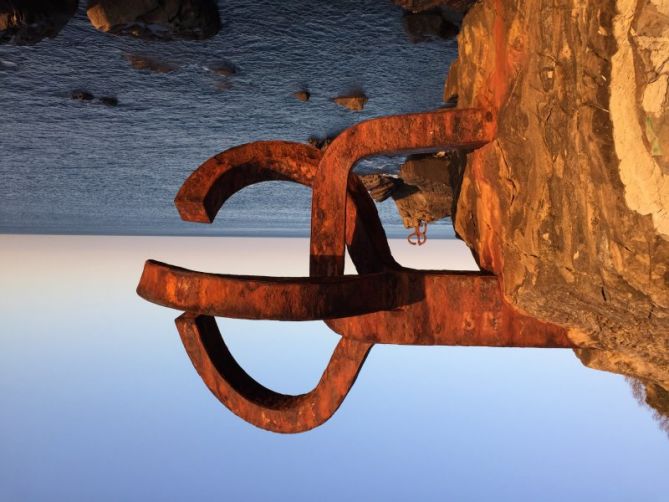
570, 204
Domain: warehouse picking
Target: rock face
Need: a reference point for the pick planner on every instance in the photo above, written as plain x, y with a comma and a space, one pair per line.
156, 19
570, 204
29, 21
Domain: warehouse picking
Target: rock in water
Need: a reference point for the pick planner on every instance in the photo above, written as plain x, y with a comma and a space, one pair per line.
81, 95
148, 63
29, 21
427, 190
355, 103
156, 19
302, 95
570, 204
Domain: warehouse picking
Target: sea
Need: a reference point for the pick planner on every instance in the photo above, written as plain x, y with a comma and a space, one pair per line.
75, 167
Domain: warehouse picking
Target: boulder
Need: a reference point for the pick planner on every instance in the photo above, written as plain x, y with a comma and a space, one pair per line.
425, 189
81, 95
156, 19
29, 21
354, 102
302, 95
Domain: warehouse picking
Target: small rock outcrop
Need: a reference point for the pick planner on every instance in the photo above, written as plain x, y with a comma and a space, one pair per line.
156, 19
139, 62
355, 102
425, 189
302, 95
81, 95
428, 25
28, 22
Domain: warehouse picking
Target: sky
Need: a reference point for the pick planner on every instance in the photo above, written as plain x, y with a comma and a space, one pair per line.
100, 401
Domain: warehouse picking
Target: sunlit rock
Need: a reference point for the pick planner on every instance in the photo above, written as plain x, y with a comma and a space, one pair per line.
354, 102
302, 95
154, 19
28, 22
570, 204
425, 189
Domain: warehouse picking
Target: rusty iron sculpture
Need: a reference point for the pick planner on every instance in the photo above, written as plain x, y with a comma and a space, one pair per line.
385, 303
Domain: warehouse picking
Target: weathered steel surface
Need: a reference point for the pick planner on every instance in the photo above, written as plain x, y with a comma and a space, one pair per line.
386, 303
217, 179
464, 309
277, 298
435, 130
257, 404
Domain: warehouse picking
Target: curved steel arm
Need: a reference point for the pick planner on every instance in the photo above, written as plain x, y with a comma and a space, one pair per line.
257, 404
205, 191
462, 128
277, 298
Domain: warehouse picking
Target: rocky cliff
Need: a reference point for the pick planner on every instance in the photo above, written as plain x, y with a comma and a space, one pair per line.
570, 204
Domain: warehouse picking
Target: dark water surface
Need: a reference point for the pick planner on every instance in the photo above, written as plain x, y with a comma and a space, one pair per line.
81, 167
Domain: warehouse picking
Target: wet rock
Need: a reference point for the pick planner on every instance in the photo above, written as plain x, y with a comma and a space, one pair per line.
81, 95
429, 25
302, 95
156, 19
109, 100
355, 102
423, 5
28, 22
570, 204
139, 62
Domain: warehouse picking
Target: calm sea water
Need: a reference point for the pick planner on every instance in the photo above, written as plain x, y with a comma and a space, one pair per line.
74, 167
